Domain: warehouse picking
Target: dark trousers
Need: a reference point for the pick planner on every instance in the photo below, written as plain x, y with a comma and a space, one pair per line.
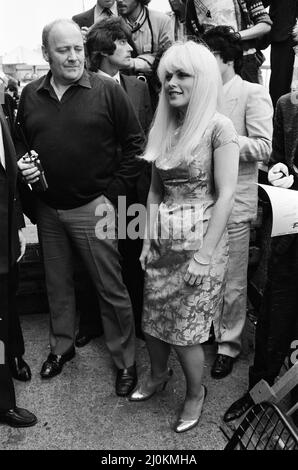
60, 231
7, 394
281, 61
87, 302
133, 278
277, 326
133, 275
16, 345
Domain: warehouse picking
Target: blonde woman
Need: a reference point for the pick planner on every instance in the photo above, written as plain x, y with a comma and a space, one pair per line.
195, 154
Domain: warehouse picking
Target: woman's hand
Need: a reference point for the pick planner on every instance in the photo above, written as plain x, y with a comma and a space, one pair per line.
144, 254
196, 271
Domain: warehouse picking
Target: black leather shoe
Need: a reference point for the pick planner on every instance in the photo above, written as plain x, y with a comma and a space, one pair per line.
54, 364
238, 408
84, 338
18, 418
126, 381
19, 369
223, 366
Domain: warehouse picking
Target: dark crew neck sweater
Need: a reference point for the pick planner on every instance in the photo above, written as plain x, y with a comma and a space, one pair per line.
87, 142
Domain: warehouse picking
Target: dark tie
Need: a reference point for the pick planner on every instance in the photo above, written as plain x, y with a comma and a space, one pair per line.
107, 12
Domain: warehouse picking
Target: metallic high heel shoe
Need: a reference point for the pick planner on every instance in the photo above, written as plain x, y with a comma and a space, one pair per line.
143, 393
183, 425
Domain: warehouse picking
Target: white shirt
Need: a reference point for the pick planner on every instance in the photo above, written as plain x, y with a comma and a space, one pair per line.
227, 86
100, 15
2, 154
115, 77
59, 93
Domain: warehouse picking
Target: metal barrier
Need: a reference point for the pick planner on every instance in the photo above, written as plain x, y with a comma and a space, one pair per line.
264, 427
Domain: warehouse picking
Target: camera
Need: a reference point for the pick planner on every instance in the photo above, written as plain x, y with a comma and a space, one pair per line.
41, 184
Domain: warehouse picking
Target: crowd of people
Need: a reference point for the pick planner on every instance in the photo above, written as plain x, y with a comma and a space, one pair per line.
137, 156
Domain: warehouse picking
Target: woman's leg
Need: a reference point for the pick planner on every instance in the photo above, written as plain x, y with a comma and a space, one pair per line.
159, 376
159, 352
191, 359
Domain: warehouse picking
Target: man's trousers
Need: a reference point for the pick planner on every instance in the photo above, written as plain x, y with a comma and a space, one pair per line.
61, 232
277, 326
281, 61
232, 319
7, 394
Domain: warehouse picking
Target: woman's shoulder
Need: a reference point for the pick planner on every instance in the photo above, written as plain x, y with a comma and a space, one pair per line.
219, 120
222, 130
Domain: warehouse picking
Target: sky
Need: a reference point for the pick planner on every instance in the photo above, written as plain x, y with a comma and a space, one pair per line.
21, 21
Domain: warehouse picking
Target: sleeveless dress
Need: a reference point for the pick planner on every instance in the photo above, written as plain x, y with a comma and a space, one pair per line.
173, 311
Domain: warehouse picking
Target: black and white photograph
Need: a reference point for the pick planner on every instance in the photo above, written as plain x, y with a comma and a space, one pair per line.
148, 229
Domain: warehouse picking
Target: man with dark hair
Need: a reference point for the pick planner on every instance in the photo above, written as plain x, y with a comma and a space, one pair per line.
151, 30
109, 51
12, 248
103, 9
77, 121
249, 107
248, 17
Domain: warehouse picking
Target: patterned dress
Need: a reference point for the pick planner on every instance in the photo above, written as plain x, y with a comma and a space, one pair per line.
173, 311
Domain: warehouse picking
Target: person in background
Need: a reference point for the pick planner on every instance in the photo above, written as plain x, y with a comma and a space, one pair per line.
109, 51
195, 154
277, 327
283, 15
87, 302
91, 119
103, 9
12, 248
13, 90
19, 369
151, 30
177, 16
249, 107
248, 17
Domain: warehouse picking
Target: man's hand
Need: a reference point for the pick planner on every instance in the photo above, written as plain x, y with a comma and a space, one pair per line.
144, 254
279, 176
29, 171
22, 240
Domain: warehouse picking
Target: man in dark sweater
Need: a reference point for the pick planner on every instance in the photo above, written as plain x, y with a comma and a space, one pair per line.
77, 122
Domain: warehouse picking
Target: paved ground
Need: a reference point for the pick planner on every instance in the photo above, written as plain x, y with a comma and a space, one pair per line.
79, 410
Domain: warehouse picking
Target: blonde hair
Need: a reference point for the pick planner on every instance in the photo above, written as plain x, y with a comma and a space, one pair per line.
197, 60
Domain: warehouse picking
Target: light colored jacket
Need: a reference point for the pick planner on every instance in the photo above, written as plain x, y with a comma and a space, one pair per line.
249, 106
160, 35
